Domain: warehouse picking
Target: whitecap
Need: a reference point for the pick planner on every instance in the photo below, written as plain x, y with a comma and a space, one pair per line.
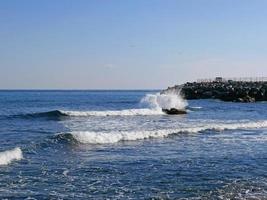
8, 156
128, 112
91, 137
154, 103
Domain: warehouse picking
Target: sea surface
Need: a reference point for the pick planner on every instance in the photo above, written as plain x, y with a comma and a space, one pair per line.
120, 145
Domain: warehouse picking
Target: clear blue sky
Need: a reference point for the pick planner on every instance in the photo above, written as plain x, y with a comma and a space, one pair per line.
129, 44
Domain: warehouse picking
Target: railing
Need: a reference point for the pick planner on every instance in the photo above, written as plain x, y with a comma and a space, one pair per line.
235, 79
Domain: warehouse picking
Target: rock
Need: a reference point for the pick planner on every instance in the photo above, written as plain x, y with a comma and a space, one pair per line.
174, 111
248, 99
240, 100
235, 91
207, 94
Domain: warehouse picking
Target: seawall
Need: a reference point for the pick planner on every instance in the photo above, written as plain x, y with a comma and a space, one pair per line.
235, 91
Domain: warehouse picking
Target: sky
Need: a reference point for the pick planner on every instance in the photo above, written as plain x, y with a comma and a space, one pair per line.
129, 44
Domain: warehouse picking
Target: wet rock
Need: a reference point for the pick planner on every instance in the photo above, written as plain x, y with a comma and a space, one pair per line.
174, 111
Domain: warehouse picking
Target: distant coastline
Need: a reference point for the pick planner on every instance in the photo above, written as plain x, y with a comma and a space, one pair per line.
237, 90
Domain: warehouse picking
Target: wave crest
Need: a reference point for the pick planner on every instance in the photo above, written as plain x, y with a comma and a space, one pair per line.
129, 112
88, 137
154, 102
165, 101
49, 114
7, 157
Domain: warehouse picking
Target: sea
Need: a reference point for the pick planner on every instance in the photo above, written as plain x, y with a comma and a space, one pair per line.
116, 144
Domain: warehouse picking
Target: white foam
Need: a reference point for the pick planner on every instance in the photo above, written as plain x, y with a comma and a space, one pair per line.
166, 101
195, 107
7, 157
154, 102
113, 137
129, 112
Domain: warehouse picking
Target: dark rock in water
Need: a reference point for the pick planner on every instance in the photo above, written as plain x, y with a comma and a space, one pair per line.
174, 111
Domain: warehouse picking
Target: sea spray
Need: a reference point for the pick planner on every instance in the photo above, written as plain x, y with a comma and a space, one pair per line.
8, 156
165, 101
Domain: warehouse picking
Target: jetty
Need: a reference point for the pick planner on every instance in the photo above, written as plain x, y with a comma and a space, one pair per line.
245, 90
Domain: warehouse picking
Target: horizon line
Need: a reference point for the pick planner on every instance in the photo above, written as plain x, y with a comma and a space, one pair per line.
77, 89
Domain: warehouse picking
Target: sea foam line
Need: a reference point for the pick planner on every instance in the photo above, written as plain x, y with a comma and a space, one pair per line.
8, 156
88, 137
129, 112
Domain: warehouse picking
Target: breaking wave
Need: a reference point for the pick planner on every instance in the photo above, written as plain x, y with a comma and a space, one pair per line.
50, 114
7, 157
164, 101
129, 112
154, 104
57, 114
88, 137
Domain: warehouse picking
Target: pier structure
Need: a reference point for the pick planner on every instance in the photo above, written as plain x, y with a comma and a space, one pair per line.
246, 89
234, 79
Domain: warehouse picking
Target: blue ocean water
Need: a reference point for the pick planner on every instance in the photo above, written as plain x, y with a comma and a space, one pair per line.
119, 145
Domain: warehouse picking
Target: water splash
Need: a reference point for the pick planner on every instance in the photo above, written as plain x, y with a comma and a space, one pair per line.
7, 157
165, 101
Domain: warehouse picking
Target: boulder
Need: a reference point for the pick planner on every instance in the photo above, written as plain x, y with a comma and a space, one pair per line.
235, 91
246, 99
174, 111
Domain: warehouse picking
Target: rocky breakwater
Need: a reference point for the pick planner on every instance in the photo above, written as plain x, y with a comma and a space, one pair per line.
235, 91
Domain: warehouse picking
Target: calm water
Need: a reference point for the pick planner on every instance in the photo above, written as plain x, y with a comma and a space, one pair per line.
113, 144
